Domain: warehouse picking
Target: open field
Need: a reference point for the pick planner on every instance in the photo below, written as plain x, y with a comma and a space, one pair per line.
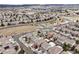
10, 30
13, 30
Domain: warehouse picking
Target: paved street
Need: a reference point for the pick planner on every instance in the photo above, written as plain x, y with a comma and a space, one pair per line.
26, 49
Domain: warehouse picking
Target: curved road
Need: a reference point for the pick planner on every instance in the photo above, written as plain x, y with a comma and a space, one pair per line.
26, 49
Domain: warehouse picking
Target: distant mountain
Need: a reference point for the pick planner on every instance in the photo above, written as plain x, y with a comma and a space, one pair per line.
24, 5
45, 5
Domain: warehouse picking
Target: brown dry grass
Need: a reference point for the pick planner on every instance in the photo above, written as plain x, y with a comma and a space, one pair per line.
21, 29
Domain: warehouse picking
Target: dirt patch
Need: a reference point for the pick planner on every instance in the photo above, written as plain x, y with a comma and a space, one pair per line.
17, 30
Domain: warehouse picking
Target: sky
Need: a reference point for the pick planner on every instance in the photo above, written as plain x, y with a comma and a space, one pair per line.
15, 2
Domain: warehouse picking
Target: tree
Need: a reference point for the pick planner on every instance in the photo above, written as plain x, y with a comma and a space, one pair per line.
76, 51
55, 38
77, 41
16, 47
8, 24
31, 20
21, 51
21, 22
40, 34
25, 38
77, 20
66, 32
2, 23
66, 47
66, 11
76, 25
10, 20
73, 48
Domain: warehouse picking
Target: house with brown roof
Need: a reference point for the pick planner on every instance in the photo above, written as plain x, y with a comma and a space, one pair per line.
45, 46
55, 50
